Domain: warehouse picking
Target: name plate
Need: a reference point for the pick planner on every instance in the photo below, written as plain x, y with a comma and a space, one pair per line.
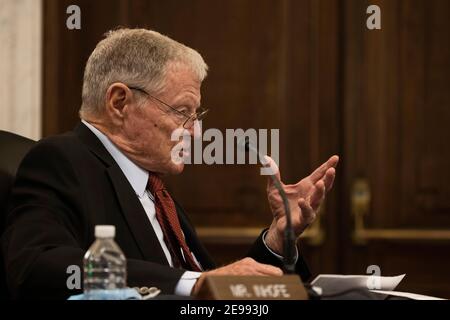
288, 287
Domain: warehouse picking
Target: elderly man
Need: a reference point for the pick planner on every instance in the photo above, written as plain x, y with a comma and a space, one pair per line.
139, 86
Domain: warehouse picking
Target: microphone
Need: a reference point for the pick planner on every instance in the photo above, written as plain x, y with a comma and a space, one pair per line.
289, 235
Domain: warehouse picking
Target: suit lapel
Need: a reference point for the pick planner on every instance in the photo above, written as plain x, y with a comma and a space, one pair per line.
131, 207
193, 241
136, 217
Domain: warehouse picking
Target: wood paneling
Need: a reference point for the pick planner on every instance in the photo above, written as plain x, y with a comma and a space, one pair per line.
396, 104
65, 55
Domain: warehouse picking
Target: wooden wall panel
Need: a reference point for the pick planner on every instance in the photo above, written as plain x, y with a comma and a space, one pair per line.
395, 109
426, 99
65, 55
395, 106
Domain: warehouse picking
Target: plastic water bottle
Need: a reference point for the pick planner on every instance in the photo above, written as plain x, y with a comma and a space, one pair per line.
104, 265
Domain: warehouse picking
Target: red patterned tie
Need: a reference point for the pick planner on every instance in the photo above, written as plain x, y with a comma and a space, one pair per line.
166, 214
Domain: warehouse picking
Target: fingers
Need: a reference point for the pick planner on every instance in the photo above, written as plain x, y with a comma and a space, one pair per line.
321, 171
308, 213
321, 188
248, 267
267, 270
252, 267
329, 178
318, 194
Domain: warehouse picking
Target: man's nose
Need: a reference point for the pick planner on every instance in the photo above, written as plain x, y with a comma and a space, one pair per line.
196, 130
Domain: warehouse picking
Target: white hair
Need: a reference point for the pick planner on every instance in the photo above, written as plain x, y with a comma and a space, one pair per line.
135, 57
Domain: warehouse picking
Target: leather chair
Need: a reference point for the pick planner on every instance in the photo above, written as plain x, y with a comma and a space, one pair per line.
12, 150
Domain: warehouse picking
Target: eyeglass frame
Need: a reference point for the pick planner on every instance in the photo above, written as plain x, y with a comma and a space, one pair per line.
197, 116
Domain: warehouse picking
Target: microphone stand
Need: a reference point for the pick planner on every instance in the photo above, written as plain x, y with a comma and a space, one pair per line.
289, 235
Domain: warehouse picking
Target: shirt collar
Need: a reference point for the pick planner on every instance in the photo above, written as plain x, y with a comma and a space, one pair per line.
135, 175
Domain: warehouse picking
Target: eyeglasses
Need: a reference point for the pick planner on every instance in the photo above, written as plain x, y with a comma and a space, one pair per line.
189, 119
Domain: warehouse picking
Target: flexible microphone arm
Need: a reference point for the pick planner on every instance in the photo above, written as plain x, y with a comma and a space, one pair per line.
289, 235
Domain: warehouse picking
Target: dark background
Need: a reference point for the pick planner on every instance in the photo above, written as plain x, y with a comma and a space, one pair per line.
380, 99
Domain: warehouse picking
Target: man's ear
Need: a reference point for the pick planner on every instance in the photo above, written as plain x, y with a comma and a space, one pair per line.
118, 99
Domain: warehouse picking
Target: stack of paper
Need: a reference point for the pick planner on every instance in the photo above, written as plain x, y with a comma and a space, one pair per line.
334, 286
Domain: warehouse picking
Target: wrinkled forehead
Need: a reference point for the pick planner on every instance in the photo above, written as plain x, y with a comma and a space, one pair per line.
181, 82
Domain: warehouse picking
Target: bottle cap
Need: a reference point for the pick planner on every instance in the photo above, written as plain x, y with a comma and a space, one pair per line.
105, 231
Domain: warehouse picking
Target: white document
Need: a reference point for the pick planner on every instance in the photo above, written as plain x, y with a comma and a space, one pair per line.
335, 283
408, 295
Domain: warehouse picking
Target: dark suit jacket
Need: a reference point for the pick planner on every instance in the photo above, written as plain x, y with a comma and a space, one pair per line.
65, 186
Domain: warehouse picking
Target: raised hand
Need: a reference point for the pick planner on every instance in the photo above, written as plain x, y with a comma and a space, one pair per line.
304, 199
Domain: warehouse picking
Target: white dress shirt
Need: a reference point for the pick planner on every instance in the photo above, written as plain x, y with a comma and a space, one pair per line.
138, 178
